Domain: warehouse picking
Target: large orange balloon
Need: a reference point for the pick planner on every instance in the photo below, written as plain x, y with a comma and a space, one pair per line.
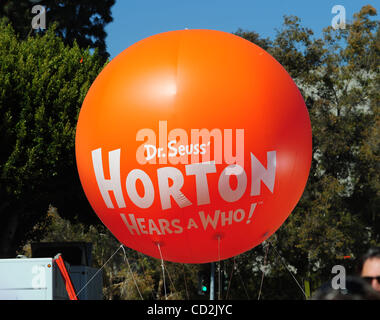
195, 143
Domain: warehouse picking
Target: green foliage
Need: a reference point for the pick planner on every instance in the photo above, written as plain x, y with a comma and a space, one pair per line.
42, 85
338, 214
118, 281
80, 21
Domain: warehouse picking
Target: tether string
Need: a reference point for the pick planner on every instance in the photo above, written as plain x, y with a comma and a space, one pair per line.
281, 259
130, 269
170, 279
184, 276
262, 276
242, 282
219, 268
98, 271
163, 269
229, 282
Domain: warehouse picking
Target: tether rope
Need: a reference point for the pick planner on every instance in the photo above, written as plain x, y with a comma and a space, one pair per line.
163, 270
130, 269
170, 279
184, 276
283, 262
219, 272
219, 267
98, 271
242, 282
262, 276
229, 282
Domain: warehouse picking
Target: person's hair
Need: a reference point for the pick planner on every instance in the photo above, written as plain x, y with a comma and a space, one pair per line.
373, 252
356, 289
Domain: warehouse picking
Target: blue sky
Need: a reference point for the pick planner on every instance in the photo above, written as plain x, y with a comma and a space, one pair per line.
137, 19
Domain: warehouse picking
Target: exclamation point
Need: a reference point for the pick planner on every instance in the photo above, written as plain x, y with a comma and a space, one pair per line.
251, 210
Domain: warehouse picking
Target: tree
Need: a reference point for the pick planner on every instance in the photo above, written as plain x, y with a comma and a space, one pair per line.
337, 216
42, 85
127, 274
82, 21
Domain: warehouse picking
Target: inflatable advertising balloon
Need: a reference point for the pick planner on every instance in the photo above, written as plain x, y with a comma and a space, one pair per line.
193, 144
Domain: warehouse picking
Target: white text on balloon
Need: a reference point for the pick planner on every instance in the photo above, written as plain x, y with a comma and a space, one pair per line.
174, 146
168, 192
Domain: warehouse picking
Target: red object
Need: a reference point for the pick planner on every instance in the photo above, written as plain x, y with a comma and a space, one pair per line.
159, 112
81, 60
66, 277
346, 257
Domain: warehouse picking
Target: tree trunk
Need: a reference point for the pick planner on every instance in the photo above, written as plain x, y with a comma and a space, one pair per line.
8, 227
